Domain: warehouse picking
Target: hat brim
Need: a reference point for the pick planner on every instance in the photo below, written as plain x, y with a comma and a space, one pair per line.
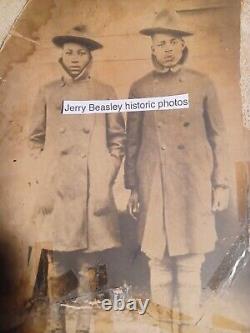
152, 31
89, 43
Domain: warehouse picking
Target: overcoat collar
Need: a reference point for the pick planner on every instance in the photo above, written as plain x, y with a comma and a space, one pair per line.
160, 69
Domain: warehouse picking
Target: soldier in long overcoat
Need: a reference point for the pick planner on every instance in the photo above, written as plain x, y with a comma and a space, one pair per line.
175, 168
80, 156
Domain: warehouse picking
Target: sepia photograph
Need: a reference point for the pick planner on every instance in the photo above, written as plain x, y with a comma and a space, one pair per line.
124, 168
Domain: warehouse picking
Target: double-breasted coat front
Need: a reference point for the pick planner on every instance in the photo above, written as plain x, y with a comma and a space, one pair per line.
174, 159
80, 158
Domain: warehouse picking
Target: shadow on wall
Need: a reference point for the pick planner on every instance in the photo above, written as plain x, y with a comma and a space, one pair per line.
10, 283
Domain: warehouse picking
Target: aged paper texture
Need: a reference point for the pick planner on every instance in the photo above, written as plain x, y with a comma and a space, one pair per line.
145, 211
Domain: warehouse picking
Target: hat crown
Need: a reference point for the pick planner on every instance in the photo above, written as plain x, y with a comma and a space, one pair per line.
78, 34
167, 16
78, 30
167, 21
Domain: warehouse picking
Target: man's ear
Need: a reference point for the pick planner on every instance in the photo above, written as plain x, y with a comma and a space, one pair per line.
183, 43
153, 49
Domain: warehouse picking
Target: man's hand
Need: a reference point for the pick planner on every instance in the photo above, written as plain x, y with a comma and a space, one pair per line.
102, 200
220, 199
35, 153
46, 204
102, 205
133, 204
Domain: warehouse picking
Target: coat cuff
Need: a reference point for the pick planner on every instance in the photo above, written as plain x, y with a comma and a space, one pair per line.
220, 182
130, 182
117, 153
225, 186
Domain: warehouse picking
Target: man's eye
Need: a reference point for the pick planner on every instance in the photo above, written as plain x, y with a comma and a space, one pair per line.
82, 53
68, 53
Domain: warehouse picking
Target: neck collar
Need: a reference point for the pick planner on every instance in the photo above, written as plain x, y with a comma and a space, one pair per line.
160, 69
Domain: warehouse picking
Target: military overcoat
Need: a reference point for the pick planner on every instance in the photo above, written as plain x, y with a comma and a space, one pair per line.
80, 158
174, 159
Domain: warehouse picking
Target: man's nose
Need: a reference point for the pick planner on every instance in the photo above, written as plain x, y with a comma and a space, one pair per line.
168, 49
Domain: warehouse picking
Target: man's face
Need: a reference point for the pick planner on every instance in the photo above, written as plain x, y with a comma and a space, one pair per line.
75, 58
167, 49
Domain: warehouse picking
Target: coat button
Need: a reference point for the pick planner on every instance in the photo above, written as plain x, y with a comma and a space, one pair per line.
62, 130
181, 147
186, 124
86, 130
163, 147
83, 156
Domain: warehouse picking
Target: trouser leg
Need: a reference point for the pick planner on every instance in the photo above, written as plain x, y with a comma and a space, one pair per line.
162, 286
161, 280
86, 291
83, 318
56, 318
189, 283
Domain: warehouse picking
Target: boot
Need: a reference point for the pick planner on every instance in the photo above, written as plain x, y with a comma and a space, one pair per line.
83, 319
84, 313
56, 315
56, 319
86, 293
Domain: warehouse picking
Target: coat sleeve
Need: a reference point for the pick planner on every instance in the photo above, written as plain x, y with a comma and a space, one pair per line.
133, 142
115, 131
37, 126
116, 135
216, 135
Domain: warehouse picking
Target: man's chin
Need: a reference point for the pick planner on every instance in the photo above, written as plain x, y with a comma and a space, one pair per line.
169, 64
74, 73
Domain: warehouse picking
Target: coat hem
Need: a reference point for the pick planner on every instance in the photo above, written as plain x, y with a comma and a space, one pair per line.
80, 248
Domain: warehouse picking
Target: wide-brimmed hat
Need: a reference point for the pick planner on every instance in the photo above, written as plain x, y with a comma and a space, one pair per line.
79, 35
167, 21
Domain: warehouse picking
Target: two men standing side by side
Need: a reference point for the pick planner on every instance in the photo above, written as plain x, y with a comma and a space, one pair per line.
175, 168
